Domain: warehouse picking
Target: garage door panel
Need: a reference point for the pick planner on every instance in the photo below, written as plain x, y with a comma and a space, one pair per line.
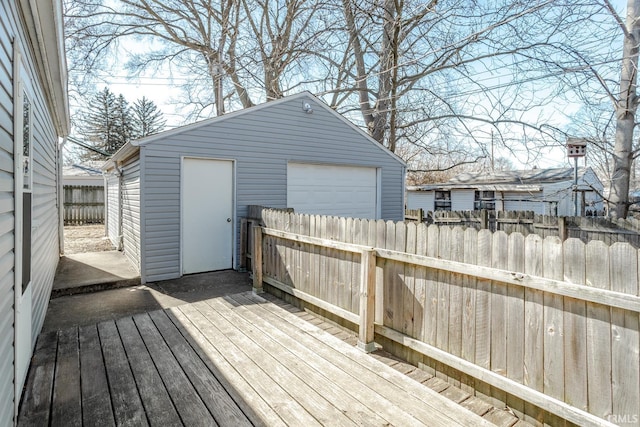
349, 191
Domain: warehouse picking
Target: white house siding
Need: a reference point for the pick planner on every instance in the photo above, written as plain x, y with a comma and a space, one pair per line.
131, 211
7, 30
113, 208
560, 193
517, 201
262, 142
462, 200
45, 243
420, 200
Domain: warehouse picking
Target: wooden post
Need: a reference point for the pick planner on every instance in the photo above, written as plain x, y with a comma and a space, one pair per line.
256, 261
244, 241
484, 219
367, 301
562, 228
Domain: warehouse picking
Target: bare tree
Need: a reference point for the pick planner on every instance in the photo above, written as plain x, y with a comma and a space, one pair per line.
187, 32
626, 105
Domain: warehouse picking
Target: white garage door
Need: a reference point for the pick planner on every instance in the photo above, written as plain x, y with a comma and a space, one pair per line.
348, 191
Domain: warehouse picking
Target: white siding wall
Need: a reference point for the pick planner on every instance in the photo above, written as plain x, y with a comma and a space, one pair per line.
7, 30
113, 208
561, 193
131, 211
262, 143
45, 243
462, 200
420, 200
522, 202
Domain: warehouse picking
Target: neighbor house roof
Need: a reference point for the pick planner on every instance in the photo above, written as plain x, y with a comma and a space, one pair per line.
85, 169
513, 181
131, 147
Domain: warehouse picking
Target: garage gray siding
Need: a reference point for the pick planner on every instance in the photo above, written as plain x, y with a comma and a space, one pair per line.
262, 142
7, 29
131, 211
113, 208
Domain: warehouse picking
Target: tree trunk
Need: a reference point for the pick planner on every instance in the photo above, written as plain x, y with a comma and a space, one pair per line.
625, 115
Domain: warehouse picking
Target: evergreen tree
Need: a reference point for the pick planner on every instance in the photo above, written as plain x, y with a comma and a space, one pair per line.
109, 122
146, 118
123, 125
99, 123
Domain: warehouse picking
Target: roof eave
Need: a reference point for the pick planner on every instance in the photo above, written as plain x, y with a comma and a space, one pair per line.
45, 27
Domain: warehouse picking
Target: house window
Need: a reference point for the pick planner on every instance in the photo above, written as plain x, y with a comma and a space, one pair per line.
443, 201
485, 200
26, 141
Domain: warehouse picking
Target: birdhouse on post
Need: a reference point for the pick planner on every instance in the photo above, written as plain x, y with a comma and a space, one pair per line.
576, 147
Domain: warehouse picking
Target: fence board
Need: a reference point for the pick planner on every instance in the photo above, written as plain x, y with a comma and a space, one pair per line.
575, 350
625, 334
599, 393
499, 259
553, 318
409, 287
515, 319
533, 375
83, 204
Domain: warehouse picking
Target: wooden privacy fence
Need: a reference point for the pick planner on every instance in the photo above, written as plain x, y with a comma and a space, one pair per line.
549, 327
83, 204
526, 222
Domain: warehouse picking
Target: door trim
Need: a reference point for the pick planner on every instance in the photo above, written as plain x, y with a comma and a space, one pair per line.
22, 339
233, 207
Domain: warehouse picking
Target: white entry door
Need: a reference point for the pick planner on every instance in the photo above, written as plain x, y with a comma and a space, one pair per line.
207, 215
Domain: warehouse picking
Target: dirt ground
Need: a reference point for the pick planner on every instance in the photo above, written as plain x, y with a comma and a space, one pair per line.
85, 238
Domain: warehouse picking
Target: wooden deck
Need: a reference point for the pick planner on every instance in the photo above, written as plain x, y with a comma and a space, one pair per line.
232, 361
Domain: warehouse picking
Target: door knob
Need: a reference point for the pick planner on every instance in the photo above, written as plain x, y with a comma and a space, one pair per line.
228, 219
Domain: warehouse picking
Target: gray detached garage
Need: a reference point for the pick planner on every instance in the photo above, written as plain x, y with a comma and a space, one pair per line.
174, 200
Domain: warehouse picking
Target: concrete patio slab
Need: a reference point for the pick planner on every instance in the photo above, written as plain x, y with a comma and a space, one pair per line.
93, 271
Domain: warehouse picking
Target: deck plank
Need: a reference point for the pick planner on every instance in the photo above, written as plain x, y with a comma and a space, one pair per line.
278, 397
36, 403
127, 406
190, 407
256, 347
363, 403
215, 396
304, 364
425, 404
66, 406
96, 409
250, 401
153, 393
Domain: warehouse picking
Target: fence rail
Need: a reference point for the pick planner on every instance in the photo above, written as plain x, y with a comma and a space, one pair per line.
83, 204
554, 324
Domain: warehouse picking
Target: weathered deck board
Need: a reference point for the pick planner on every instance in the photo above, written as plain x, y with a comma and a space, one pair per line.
66, 405
36, 402
96, 409
239, 360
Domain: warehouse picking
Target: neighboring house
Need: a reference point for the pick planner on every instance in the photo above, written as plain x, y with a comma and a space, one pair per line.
33, 114
175, 199
543, 191
88, 173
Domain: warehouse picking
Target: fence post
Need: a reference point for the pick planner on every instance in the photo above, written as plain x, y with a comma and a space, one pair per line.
256, 261
367, 301
244, 241
484, 219
562, 228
